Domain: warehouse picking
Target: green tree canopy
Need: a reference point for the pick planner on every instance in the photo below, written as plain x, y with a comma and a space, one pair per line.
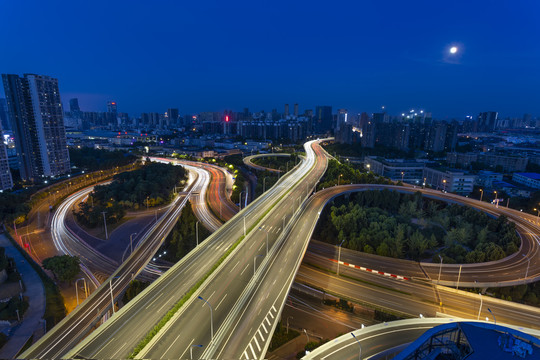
64, 267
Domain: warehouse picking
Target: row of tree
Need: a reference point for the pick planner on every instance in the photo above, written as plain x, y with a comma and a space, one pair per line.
98, 159
341, 173
151, 185
399, 225
183, 237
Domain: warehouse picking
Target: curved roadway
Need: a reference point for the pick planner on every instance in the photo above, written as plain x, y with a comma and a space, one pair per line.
248, 160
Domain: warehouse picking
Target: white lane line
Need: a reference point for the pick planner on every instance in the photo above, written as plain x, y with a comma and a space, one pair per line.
108, 342
153, 301
223, 298
273, 308
264, 327
274, 282
234, 267
117, 351
257, 343
170, 346
252, 351
244, 269
162, 306
260, 334
250, 246
260, 247
267, 321
246, 355
182, 356
271, 315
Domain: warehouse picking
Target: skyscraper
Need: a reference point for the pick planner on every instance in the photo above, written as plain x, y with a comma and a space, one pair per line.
487, 121
6, 182
112, 107
296, 110
4, 116
37, 121
74, 105
286, 110
323, 119
172, 115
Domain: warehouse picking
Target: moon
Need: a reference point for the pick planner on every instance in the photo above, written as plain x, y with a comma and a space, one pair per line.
453, 50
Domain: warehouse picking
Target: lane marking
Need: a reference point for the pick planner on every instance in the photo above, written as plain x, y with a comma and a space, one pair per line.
221, 301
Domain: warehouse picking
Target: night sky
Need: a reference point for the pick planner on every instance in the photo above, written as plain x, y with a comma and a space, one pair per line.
215, 55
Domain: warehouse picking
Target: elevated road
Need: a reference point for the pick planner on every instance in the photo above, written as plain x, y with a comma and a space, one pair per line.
127, 327
247, 333
380, 340
77, 324
248, 160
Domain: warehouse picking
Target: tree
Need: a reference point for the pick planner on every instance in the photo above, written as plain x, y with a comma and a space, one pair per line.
64, 267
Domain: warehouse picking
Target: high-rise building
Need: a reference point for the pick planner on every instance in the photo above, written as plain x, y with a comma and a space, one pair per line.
487, 121
6, 182
112, 107
342, 119
286, 110
74, 105
37, 120
4, 116
296, 110
323, 119
172, 115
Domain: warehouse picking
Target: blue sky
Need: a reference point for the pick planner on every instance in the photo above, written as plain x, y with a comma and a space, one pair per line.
216, 55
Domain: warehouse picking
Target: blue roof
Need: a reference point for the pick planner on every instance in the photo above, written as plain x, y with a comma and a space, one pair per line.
533, 176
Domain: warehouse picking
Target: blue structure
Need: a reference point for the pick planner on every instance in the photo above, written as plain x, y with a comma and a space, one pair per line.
472, 341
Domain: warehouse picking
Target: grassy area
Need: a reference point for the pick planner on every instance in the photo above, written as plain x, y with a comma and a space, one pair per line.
55, 309
281, 336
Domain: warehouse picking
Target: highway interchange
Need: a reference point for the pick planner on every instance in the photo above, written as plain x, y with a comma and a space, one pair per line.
247, 328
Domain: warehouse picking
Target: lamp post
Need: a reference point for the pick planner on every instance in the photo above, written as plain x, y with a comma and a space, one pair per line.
288, 323
266, 240
481, 194
368, 167
424, 184
241, 192
305, 332
496, 199
131, 241
255, 263
402, 175
528, 263
479, 310
112, 297
339, 256
105, 222
459, 276
359, 345
147, 202
444, 185
197, 232
211, 316
77, 289
191, 350
340, 175
538, 215
494, 319
264, 184
440, 269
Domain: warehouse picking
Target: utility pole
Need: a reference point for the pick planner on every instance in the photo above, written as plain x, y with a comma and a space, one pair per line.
105, 223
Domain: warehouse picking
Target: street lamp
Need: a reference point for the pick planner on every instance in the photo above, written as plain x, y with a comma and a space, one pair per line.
305, 332
211, 316
494, 319
402, 175
264, 184
77, 289
112, 297
340, 175
288, 323
496, 199
368, 166
260, 228
197, 232
191, 350
424, 184
359, 345
105, 222
339, 256
479, 310
255, 263
444, 185
440, 269
131, 241
528, 263
538, 215
481, 194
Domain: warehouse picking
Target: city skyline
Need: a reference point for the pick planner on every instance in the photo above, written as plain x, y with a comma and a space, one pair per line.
212, 57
